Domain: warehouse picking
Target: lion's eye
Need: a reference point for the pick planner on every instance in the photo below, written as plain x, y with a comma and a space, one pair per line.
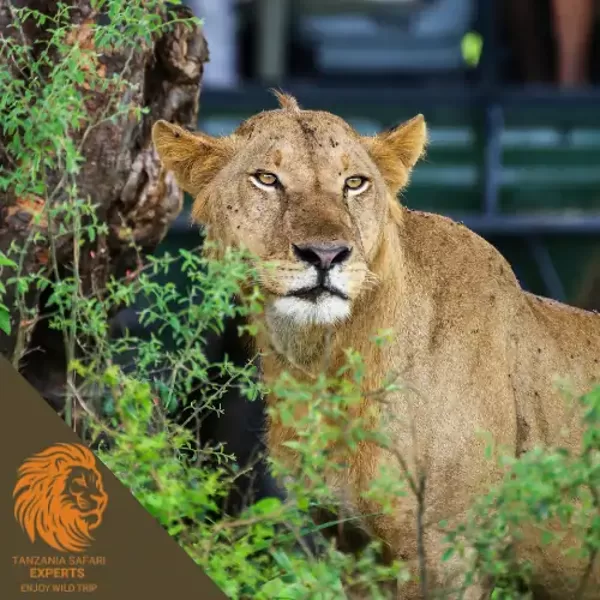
356, 184
80, 481
265, 179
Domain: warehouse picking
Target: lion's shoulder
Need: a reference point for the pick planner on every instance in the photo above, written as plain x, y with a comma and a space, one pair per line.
453, 256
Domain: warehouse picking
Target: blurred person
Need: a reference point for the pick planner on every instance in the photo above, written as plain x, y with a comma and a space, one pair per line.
220, 31
572, 24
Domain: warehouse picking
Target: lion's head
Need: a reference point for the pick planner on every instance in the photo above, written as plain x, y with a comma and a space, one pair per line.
59, 497
302, 190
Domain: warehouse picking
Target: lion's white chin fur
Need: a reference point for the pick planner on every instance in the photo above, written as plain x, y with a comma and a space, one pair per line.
325, 310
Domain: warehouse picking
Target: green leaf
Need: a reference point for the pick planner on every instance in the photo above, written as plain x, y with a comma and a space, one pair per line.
6, 262
447, 554
266, 506
5, 321
547, 537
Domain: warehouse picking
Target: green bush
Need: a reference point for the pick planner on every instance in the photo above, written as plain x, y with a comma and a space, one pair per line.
129, 388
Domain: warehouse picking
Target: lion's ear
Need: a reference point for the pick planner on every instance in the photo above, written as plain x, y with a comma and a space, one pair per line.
397, 151
194, 159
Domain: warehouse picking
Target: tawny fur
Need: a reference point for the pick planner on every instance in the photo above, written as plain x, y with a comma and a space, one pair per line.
482, 353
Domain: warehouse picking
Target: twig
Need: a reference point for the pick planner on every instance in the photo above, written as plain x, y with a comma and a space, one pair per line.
421, 538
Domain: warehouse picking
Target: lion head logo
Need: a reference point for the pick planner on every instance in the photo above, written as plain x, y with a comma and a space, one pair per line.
59, 497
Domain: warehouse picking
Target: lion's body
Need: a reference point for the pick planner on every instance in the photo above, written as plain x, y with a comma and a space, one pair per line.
59, 497
481, 352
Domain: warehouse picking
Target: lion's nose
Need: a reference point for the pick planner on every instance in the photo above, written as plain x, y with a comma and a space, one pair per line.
323, 256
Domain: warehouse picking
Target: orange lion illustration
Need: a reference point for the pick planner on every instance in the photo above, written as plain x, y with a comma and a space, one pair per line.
59, 497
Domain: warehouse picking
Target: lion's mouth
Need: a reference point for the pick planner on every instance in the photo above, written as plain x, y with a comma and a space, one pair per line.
91, 518
314, 293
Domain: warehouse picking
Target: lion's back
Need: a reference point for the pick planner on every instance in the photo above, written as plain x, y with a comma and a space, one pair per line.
478, 301
558, 343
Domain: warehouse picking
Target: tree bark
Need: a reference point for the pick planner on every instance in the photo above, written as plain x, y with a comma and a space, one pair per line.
120, 174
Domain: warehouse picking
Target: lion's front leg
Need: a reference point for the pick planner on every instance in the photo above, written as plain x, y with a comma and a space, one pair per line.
442, 578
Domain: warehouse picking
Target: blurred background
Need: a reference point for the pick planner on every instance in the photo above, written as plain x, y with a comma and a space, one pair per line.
508, 88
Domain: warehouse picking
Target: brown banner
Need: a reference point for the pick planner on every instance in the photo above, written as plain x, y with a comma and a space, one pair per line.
69, 528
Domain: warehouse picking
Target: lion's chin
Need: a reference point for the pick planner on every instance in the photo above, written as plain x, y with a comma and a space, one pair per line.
327, 309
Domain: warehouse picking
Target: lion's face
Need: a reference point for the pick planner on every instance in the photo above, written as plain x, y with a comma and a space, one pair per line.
60, 497
302, 191
83, 492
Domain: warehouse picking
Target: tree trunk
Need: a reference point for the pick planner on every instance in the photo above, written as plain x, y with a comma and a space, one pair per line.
120, 174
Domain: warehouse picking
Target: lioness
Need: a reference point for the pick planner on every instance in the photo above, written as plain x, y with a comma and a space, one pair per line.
303, 189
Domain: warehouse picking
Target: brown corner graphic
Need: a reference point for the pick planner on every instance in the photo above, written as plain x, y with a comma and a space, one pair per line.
69, 527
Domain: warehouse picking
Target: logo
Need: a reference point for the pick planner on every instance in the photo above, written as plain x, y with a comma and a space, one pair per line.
59, 497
